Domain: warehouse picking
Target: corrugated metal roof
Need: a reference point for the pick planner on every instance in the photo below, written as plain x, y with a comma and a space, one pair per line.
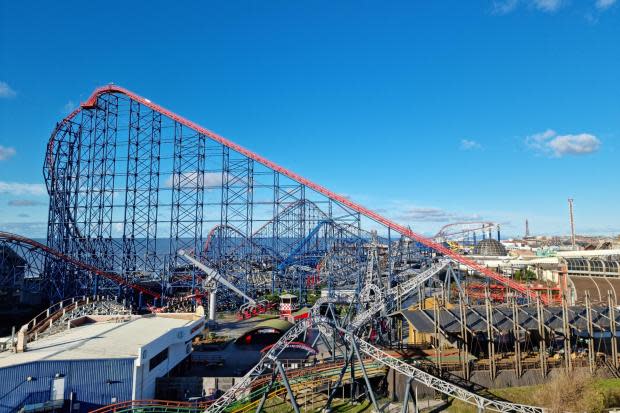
95, 382
502, 316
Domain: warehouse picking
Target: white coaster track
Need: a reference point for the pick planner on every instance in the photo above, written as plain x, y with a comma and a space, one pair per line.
348, 336
439, 384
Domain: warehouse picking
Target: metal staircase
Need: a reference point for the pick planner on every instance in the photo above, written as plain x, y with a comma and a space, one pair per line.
56, 317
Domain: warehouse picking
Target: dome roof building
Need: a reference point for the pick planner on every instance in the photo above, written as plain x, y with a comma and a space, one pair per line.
490, 247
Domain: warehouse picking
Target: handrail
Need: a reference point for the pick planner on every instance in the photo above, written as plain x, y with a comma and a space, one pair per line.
43, 320
60, 305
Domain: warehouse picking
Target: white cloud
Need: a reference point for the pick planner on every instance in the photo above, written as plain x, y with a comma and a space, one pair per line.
193, 180
502, 7
505, 7
508, 6
6, 152
25, 203
6, 91
548, 5
16, 188
425, 214
550, 143
604, 4
28, 229
118, 227
467, 145
68, 107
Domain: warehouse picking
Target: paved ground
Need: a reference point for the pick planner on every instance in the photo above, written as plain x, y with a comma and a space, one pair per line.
236, 359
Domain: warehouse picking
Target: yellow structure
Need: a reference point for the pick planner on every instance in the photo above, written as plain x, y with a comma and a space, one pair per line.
416, 337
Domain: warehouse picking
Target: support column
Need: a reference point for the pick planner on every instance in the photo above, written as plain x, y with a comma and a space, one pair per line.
212, 304
366, 379
465, 359
263, 399
490, 338
332, 394
436, 315
353, 386
612, 328
288, 387
568, 362
516, 333
407, 393
591, 359
399, 325
542, 348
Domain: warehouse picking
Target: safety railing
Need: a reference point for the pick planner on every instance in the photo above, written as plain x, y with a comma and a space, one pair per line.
154, 406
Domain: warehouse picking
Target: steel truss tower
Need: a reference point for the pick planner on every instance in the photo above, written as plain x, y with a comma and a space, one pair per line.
131, 183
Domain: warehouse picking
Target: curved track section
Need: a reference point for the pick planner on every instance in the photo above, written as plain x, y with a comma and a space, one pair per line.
457, 231
70, 264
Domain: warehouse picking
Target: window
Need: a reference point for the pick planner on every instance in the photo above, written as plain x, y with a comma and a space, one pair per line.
158, 359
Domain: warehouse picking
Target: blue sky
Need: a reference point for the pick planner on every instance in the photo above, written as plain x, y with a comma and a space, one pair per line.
430, 111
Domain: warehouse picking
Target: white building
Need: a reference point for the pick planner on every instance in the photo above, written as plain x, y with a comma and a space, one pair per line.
105, 360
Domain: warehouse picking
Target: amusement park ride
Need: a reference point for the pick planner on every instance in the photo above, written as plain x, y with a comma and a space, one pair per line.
150, 206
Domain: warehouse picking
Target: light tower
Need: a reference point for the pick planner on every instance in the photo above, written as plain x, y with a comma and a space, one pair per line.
572, 222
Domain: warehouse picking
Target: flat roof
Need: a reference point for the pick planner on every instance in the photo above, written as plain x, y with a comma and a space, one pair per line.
100, 340
275, 323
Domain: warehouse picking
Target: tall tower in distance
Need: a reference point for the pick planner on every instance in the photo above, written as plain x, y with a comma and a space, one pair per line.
527, 228
572, 222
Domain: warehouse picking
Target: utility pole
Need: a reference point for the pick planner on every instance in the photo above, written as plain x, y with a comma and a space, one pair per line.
572, 222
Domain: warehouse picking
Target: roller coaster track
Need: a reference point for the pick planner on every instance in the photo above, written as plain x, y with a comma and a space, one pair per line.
437, 383
241, 235
348, 334
401, 291
440, 384
463, 228
343, 200
18, 239
153, 406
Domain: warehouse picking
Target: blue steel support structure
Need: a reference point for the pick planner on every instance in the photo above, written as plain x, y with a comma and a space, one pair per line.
131, 183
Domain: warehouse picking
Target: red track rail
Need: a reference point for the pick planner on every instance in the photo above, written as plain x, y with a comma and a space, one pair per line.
109, 275
92, 101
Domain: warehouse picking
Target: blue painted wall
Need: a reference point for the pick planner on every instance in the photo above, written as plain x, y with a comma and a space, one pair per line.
94, 382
